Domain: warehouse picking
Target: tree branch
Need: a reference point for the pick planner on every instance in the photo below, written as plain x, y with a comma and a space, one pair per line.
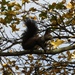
53, 52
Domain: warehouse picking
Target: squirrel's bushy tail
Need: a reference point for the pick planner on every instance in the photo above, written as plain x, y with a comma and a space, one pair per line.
28, 40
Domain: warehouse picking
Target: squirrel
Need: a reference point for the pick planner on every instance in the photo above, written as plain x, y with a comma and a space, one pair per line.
30, 38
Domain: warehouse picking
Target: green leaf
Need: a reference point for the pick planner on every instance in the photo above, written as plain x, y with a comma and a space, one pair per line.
43, 14
60, 6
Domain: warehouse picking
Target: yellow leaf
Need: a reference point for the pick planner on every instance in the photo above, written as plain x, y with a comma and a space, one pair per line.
30, 56
57, 43
17, 7
73, 56
11, 4
14, 28
69, 5
68, 15
25, 1
5, 65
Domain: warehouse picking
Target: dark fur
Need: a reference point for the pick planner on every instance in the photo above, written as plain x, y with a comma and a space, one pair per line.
30, 38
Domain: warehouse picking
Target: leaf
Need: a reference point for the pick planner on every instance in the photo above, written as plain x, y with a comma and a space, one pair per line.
63, 1
11, 4
16, 67
43, 14
73, 22
12, 12
51, 7
3, 3
69, 55
73, 56
14, 28
30, 56
2, 21
68, 15
60, 5
33, 17
25, 1
17, 6
57, 43
32, 9
69, 5
5, 65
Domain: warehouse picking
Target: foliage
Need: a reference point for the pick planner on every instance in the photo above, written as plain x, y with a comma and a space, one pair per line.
58, 17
